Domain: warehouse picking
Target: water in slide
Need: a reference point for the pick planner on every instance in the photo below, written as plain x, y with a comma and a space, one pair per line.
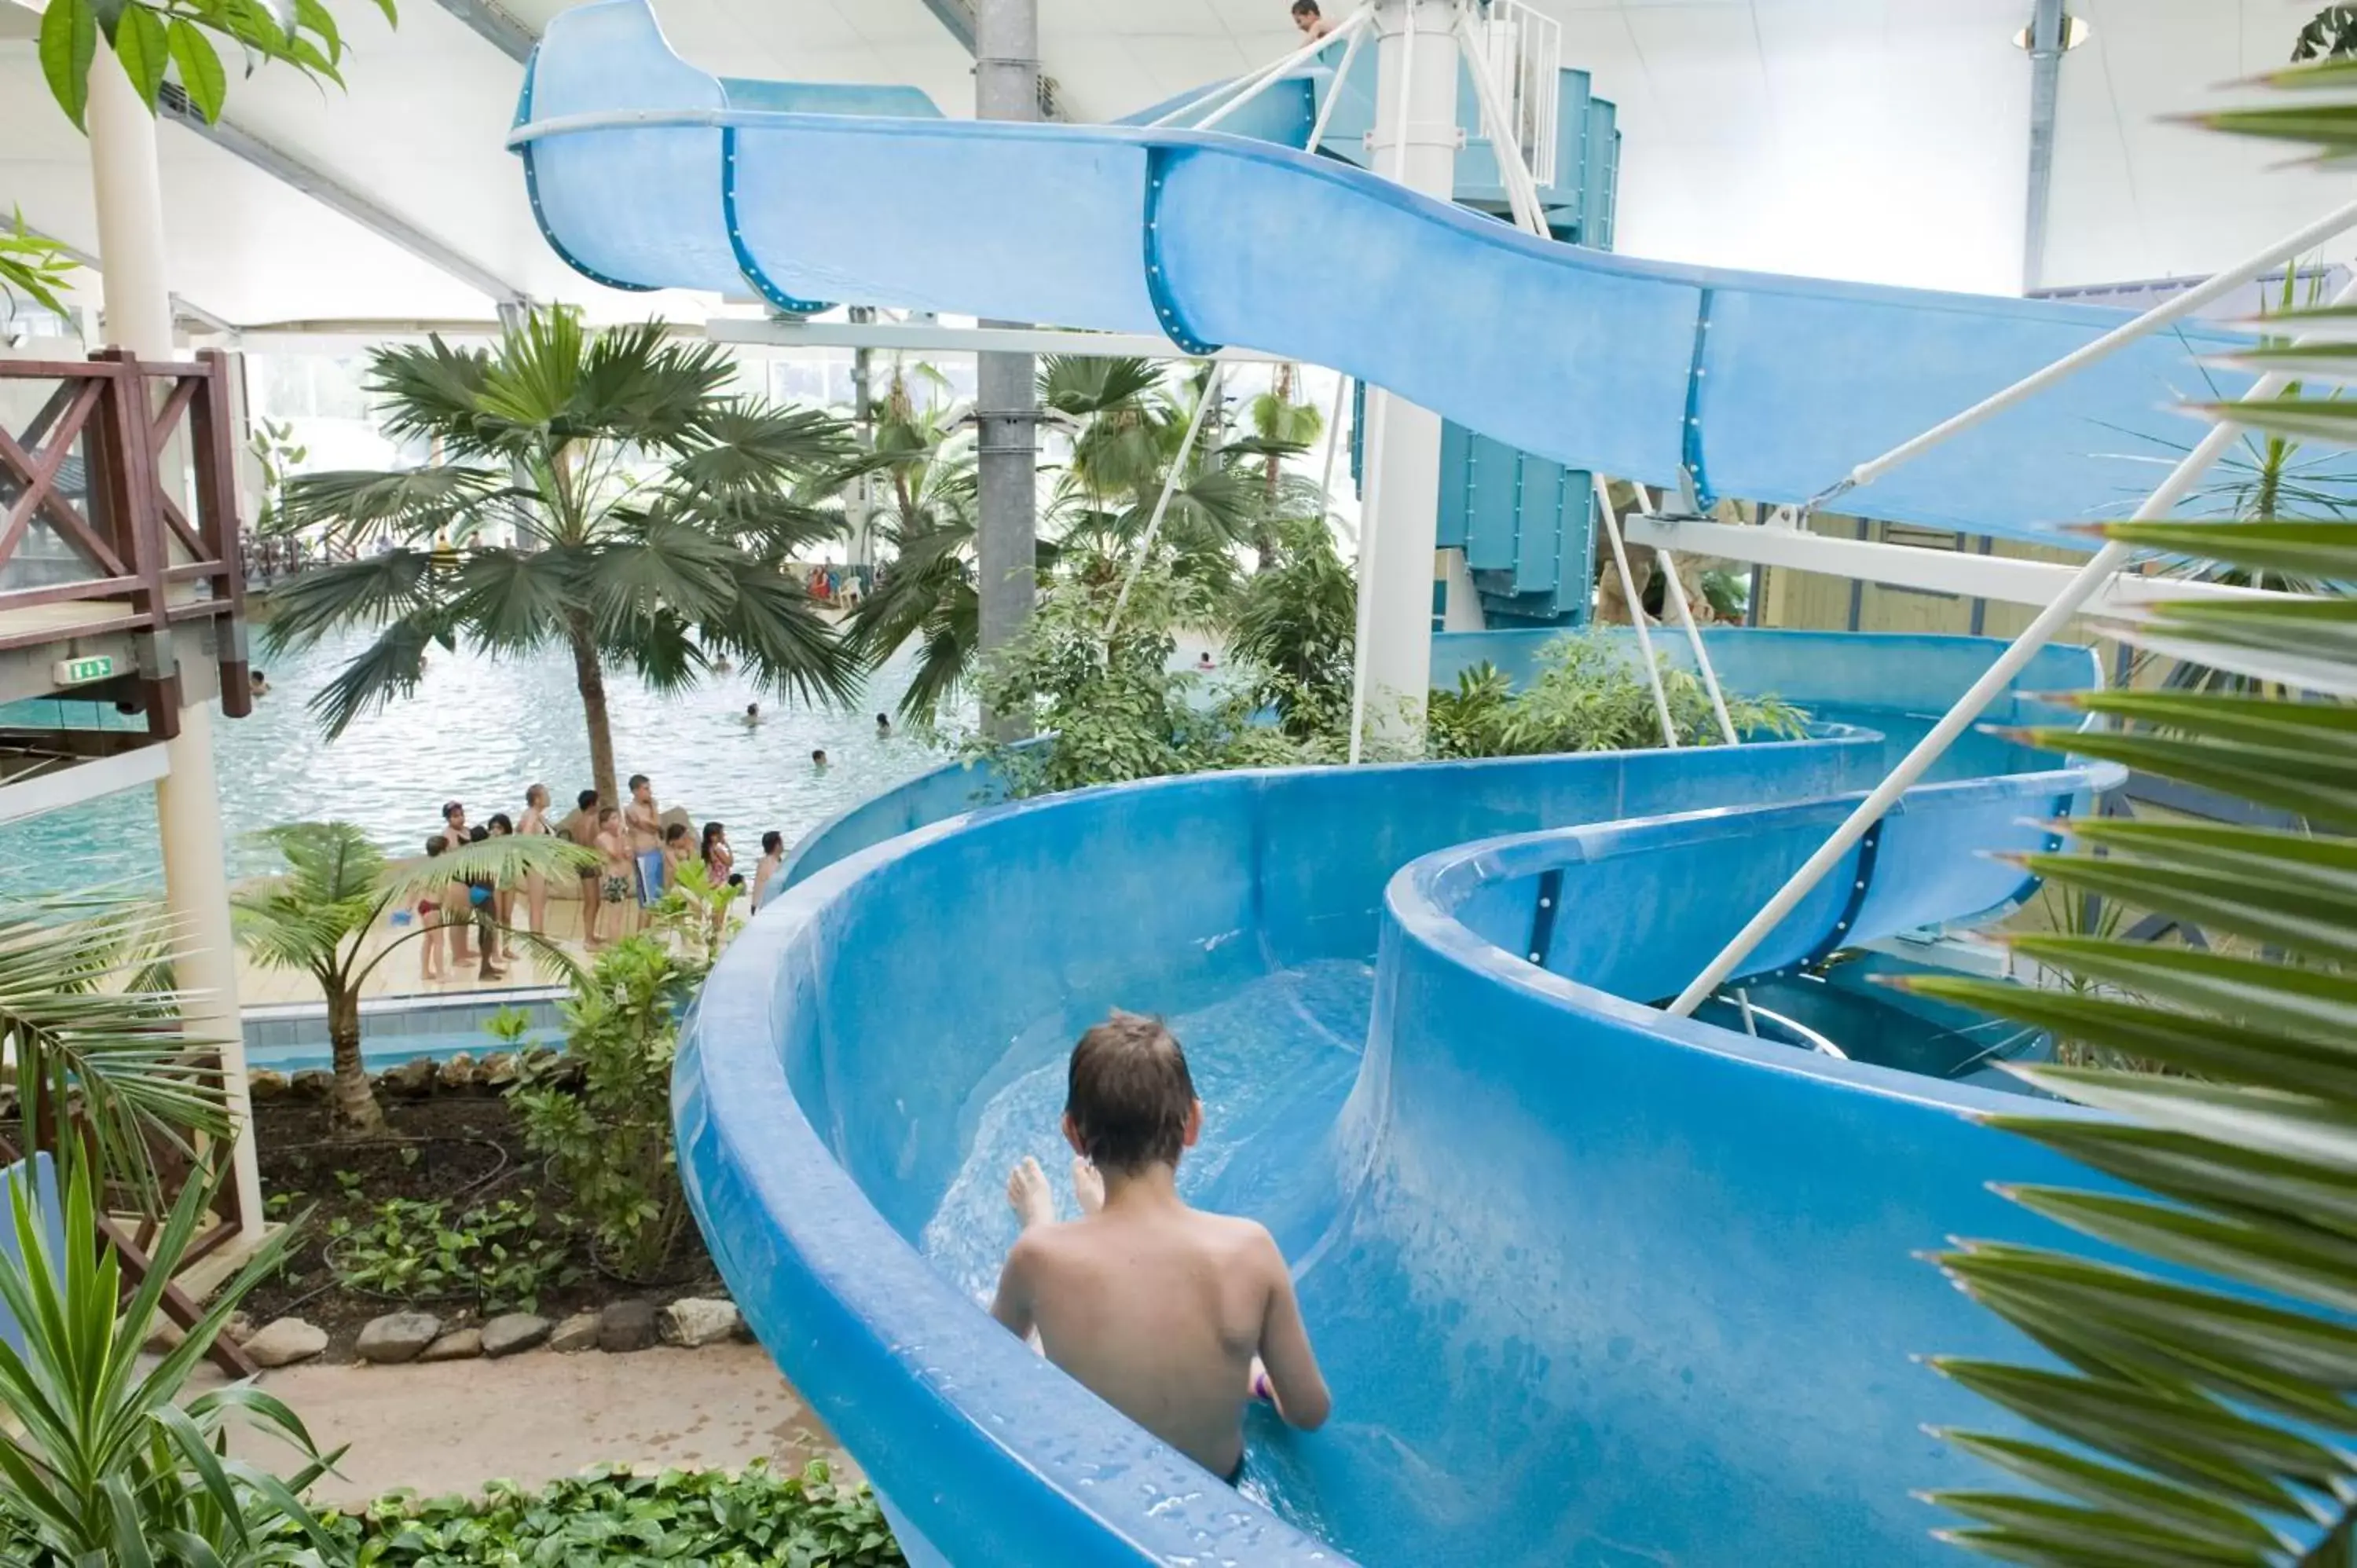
1594, 1286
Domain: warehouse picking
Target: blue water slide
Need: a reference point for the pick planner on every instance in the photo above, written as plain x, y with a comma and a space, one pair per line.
647, 172
1592, 1286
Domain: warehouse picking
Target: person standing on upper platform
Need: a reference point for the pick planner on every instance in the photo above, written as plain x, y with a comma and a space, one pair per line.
1310, 19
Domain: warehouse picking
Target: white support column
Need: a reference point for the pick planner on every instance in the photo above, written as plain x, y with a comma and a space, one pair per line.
1414, 142
123, 172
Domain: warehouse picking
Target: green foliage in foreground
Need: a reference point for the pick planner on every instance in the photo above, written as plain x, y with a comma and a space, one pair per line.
2198, 1410
751, 1520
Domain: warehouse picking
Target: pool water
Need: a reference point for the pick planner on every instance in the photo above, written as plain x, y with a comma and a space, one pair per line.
480, 730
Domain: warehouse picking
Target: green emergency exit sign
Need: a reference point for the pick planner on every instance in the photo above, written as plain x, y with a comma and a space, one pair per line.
78, 672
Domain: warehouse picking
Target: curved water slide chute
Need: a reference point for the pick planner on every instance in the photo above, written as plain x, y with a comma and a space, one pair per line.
646, 172
1593, 1286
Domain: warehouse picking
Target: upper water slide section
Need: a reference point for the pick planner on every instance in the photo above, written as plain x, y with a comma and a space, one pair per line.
646, 172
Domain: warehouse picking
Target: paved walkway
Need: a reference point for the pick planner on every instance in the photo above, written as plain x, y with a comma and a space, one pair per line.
532, 1418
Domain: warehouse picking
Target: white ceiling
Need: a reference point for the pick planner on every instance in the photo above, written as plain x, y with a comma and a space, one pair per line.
1875, 139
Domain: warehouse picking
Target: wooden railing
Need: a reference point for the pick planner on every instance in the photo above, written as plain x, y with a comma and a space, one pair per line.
143, 430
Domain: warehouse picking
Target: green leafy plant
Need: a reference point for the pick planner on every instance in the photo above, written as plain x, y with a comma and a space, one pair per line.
277, 454
501, 1257
92, 1027
693, 912
178, 42
33, 265
608, 1141
2200, 1409
1295, 623
601, 493
321, 915
753, 1518
2330, 34
113, 1461
1590, 694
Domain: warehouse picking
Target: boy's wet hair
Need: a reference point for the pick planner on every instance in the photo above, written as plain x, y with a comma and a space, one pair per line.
587, 799
1307, 8
1129, 1094
438, 845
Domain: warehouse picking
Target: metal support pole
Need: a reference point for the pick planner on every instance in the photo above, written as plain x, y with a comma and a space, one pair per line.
2295, 244
1416, 115
1253, 84
1161, 504
1006, 87
1341, 78
862, 422
1636, 613
1677, 592
1513, 170
2045, 81
1333, 444
2089, 580
129, 191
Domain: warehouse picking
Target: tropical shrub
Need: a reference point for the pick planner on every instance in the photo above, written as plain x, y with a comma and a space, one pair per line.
113, 1462
1590, 694
1295, 625
608, 1141
753, 1518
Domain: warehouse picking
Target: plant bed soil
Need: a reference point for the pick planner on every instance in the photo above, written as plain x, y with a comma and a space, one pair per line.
465, 1149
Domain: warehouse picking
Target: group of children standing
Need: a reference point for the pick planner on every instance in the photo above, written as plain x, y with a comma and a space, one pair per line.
638, 859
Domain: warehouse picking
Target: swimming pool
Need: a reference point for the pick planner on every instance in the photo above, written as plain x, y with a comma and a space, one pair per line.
480, 730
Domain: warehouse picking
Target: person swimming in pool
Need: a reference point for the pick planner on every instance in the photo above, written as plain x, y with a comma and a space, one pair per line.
1174, 1317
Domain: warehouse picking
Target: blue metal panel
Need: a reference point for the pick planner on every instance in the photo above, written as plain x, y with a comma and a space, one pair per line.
1458, 479
1493, 504
1600, 177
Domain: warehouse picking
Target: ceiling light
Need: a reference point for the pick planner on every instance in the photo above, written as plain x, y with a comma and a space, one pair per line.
2075, 31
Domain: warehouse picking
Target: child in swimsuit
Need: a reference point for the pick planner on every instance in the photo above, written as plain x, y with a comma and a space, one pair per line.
1174, 1317
614, 889
430, 969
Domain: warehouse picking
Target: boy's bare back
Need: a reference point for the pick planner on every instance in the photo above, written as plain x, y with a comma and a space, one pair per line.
1164, 1312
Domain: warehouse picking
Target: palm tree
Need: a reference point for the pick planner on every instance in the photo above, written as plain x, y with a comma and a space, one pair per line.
94, 1030
603, 493
319, 917
2203, 1406
1280, 428
1129, 425
928, 595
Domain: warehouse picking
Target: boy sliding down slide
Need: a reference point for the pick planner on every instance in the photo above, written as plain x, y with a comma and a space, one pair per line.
1173, 1316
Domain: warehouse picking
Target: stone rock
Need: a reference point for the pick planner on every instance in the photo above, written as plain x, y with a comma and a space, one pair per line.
459, 1345
693, 1322
461, 1072
500, 1069
239, 1329
165, 1336
514, 1331
626, 1325
578, 1332
284, 1342
313, 1083
260, 1083
413, 1079
397, 1336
